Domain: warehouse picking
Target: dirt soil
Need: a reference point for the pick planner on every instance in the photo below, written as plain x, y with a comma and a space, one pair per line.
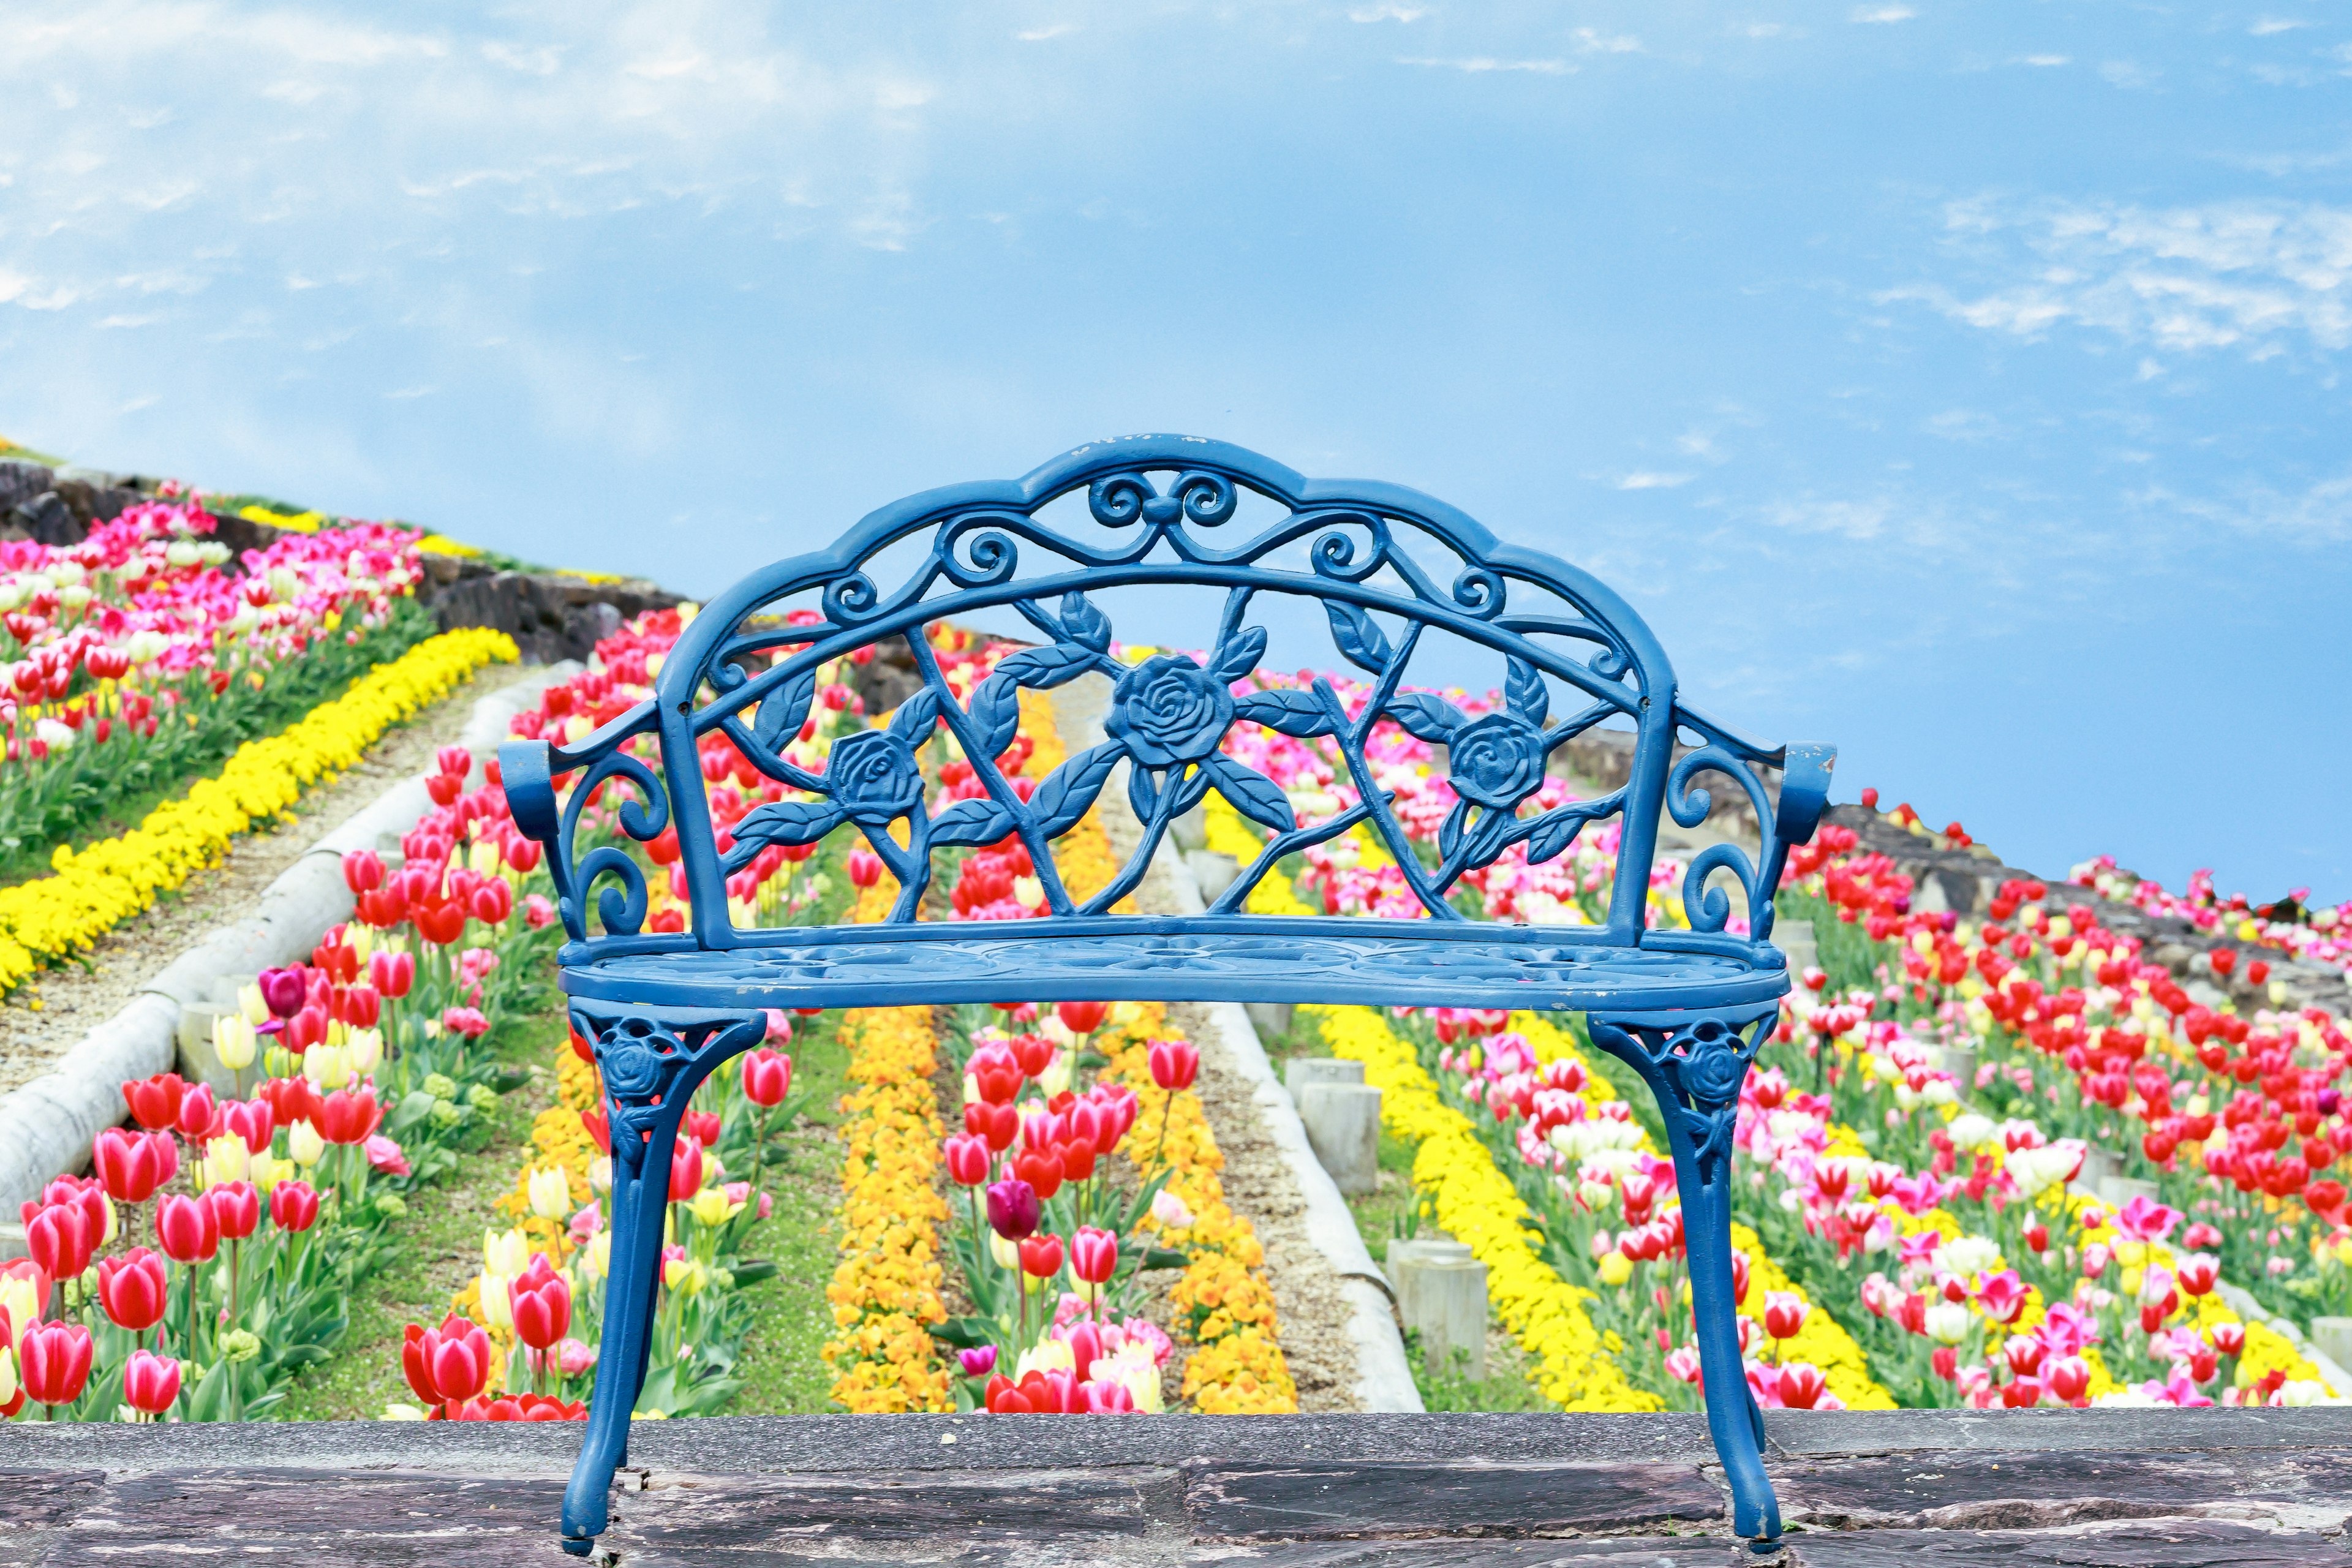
1313, 1312
49, 1017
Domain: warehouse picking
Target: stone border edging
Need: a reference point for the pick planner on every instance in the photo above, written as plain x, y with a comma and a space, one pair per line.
47, 1126
750, 1445
1383, 1378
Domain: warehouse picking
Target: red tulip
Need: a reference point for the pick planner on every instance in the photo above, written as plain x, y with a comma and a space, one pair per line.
767, 1076
237, 1209
133, 1288
1000, 1124
155, 1102
131, 1165
1174, 1064
293, 1206
1784, 1314
1082, 1017
188, 1229
685, 1170
57, 1241
2197, 1274
703, 1126
454, 760
306, 1028
392, 973
291, 1099
865, 867
448, 1365
440, 924
198, 1113
1077, 1157
1042, 1169
541, 1302
2068, 1376
1801, 1386
967, 1159
254, 1121
1041, 1256
151, 1383
363, 871
2230, 1339
56, 1361
1093, 1254
599, 1128
348, 1116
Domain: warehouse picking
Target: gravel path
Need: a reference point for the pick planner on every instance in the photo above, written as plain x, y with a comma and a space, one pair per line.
1314, 1312
49, 1017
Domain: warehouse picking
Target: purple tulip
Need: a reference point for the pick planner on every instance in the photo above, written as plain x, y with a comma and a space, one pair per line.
978, 1362
282, 990
1013, 1208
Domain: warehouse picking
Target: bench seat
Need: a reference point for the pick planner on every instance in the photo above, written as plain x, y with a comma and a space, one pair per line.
1418, 964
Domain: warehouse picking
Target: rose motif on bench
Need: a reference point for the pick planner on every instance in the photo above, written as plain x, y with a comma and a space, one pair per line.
1169, 710
873, 777
632, 1069
1497, 761
1711, 1072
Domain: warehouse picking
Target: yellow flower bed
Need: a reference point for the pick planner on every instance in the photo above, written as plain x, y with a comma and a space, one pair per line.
45, 921
1478, 1206
886, 1288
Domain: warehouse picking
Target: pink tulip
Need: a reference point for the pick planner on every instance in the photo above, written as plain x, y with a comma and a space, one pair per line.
768, 1075
151, 1383
1093, 1254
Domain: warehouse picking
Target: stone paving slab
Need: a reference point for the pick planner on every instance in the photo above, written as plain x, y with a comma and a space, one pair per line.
2109, 1489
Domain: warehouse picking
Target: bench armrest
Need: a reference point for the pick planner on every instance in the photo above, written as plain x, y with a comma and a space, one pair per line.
529, 781
1805, 770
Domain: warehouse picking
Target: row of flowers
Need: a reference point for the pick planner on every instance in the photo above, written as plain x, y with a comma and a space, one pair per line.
264, 1212
49, 919
142, 655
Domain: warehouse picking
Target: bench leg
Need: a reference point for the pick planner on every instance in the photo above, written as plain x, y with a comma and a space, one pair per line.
1695, 1064
652, 1059
640, 1194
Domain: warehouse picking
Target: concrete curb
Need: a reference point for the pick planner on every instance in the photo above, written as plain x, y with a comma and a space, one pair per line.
48, 1126
1383, 1378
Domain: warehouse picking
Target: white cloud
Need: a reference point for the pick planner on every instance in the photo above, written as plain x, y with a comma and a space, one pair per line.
1650, 481
411, 391
1039, 34
1881, 13
1765, 30
2264, 26
2318, 513
1855, 520
2129, 74
1593, 42
530, 62
2046, 60
2257, 276
1476, 63
1388, 13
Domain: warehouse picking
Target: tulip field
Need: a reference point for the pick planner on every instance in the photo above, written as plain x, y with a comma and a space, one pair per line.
1026, 1210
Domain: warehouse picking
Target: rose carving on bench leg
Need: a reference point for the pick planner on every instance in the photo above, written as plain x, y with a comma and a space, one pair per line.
650, 1059
1695, 1064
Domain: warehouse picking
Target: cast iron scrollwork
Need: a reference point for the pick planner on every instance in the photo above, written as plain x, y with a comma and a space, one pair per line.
1695, 1066
648, 1059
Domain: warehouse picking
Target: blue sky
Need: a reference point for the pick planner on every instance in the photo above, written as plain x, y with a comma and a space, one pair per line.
1961, 384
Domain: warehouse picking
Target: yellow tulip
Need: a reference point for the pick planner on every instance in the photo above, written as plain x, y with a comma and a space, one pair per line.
302, 1142
711, 1209
551, 1193
497, 1307
1616, 1268
225, 1158
233, 1041
250, 1004
596, 1257
685, 1276
365, 1047
508, 1254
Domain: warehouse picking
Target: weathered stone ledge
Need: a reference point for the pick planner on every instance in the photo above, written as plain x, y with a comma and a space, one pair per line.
2083, 1488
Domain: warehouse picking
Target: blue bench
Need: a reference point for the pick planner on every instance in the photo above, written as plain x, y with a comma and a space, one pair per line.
1391, 569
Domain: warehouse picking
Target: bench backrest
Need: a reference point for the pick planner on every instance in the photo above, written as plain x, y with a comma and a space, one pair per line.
1392, 571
